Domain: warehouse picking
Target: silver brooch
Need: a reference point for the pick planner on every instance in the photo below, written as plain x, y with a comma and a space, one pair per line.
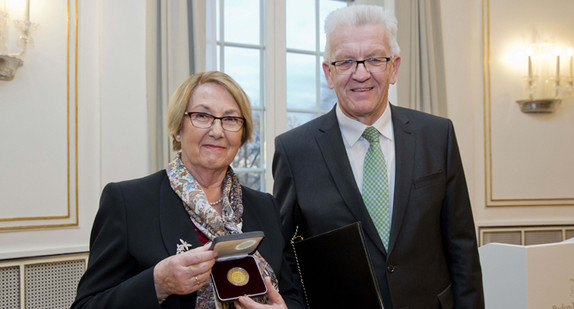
184, 246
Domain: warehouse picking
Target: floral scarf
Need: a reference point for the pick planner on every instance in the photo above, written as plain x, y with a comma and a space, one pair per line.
211, 223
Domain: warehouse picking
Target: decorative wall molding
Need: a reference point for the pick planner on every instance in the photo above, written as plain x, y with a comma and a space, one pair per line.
41, 180
528, 157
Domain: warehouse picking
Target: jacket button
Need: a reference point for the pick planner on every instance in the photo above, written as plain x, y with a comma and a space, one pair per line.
391, 268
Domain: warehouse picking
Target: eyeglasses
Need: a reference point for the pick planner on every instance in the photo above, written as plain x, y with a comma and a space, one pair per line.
372, 65
205, 121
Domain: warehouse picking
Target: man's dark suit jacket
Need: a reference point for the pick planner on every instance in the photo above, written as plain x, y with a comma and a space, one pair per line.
140, 222
433, 258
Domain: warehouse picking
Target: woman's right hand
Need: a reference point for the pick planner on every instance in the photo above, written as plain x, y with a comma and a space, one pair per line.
184, 273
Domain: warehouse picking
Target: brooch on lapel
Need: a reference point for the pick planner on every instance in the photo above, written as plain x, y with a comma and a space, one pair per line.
184, 246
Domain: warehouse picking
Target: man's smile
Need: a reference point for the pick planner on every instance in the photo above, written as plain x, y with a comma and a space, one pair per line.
362, 89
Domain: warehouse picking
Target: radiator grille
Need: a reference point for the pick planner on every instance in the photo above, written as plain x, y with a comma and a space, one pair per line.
542, 237
506, 237
48, 282
10, 283
525, 235
52, 285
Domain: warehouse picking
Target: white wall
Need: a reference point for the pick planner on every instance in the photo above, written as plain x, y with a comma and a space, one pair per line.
112, 130
463, 39
111, 118
124, 152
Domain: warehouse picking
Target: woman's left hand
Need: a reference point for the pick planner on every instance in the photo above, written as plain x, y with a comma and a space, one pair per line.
275, 299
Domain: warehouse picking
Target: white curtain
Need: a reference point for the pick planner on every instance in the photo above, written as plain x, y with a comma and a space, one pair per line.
175, 49
421, 82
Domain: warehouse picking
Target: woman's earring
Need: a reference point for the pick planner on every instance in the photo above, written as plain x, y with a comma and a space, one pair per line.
178, 138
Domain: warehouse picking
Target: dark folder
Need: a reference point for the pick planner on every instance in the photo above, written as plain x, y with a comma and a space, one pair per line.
336, 270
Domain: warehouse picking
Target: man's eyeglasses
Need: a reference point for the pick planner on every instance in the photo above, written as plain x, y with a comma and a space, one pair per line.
373, 65
205, 121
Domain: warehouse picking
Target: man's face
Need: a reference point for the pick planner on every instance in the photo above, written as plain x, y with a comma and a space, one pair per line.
363, 94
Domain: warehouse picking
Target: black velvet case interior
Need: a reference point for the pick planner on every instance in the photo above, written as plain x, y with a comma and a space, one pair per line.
226, 291
234, 258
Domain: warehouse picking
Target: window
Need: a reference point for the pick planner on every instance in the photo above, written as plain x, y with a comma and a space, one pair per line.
307, 93
240, 53
243, 52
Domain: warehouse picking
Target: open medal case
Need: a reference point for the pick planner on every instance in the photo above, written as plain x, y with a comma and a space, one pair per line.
236, 272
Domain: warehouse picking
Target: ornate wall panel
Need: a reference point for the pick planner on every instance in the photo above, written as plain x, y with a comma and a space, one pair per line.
38, 125
529, 158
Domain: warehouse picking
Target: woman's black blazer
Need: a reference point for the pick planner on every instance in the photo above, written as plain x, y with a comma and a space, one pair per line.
140, 222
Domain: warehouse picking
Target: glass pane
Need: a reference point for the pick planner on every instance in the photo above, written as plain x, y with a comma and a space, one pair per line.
326, 7
253, 180
300, 24
241, 21
300, 81
217, 20
242, 64
218, 58
296, 119
328, 96
250, 155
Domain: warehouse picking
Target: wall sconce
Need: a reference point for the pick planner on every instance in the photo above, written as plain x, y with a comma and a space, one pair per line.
546, 85
9, 63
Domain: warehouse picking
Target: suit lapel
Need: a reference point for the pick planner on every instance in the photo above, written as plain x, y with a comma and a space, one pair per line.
250, 216
405, 157
175, 224
332, 147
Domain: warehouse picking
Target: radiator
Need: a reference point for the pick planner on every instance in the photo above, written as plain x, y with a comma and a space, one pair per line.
525, 235
46, 282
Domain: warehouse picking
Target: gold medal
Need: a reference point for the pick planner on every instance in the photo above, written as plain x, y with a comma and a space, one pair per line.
238, 276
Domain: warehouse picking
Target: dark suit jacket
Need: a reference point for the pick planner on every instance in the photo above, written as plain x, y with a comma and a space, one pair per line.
433, 258
140, 222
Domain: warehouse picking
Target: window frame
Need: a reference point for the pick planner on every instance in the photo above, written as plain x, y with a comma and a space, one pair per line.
273, 74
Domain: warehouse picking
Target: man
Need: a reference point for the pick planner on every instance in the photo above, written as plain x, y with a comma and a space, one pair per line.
429, 258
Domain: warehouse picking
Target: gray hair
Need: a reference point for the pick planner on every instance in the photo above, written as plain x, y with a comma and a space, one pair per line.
357, 15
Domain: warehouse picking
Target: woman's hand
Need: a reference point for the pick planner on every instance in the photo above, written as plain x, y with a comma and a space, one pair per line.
275, 299
184, 273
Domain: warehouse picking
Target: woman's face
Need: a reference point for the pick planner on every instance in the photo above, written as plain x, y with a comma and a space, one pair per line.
211, 149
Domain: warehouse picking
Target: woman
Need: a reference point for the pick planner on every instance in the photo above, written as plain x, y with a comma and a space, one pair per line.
150, 240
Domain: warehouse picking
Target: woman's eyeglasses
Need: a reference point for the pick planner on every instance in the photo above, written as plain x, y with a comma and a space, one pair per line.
205, 121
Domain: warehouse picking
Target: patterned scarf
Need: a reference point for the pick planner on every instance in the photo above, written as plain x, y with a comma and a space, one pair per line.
212, 224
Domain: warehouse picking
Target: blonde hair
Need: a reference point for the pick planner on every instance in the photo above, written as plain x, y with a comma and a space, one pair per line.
357, 15
182, 95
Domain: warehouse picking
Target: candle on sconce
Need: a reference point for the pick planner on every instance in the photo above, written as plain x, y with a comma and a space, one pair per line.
571, 66
557, 52
529, 68
557, 67
27, 10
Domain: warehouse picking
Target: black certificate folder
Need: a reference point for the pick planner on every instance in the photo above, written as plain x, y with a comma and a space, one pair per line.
336, 270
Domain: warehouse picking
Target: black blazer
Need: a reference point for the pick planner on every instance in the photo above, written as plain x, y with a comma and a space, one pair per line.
140, 222
433, 258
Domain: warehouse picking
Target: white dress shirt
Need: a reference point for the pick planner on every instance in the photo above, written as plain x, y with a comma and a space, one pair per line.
357, 146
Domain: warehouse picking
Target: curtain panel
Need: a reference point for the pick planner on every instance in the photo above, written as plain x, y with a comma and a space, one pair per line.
421, 82
175, 39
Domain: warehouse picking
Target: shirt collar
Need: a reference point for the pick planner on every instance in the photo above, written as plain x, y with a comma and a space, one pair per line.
352, 130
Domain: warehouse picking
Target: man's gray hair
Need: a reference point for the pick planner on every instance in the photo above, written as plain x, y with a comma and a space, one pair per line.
357, 15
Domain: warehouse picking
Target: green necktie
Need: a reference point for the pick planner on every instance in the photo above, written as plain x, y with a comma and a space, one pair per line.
376, 185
